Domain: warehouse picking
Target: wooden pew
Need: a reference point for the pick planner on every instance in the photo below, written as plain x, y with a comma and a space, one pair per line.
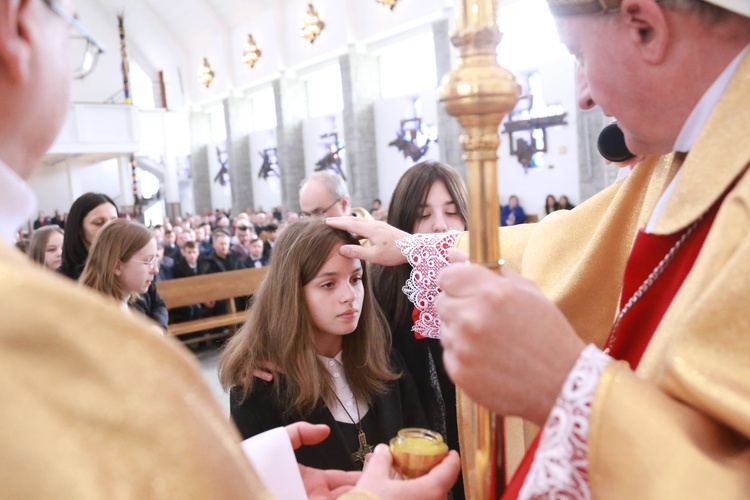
206, 288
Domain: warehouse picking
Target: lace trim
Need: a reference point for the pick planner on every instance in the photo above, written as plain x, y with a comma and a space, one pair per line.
428, 255
561, 466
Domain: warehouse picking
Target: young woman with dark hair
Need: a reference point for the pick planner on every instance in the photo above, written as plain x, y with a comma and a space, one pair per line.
87, 216
430, 197
316, 324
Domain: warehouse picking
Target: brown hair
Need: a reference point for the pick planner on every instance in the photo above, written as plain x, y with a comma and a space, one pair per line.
403, 212
279, 332
115, 243
38, 247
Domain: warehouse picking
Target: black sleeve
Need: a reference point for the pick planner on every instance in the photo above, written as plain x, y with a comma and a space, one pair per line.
158, 311
152, 306
414, 415
259, 412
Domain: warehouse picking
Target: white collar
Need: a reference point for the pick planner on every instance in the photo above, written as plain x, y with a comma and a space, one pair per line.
17, 202
699, 116
339, 358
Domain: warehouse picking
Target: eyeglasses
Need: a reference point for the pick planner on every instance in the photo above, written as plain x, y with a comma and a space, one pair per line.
93, 48
318, 213
150, 263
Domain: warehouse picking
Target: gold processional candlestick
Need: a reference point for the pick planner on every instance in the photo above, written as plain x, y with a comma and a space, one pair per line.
479, 93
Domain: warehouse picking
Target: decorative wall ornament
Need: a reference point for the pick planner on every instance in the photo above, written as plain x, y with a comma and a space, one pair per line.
312, 24
270, 166
413, 138
223, 176
134, 177
124, 66
205, 73
252, 52
534, 120
389, 3
332, 159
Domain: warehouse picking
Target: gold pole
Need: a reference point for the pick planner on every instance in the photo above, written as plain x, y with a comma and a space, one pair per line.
479, 93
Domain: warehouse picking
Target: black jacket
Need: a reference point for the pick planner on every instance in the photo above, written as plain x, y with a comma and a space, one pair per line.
398, 408
211, 263
152, 306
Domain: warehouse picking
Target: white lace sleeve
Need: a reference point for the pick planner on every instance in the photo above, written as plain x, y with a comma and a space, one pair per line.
428, 255
561, 467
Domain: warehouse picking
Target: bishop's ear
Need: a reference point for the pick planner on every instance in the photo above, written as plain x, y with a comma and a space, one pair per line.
16, 21
648, 28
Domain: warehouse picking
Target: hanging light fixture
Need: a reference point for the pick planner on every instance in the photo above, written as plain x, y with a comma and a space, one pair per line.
312, 25
205, 73
389, 3
252, 52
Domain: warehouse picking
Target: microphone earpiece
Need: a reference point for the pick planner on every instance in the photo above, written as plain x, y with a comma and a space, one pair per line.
611, 144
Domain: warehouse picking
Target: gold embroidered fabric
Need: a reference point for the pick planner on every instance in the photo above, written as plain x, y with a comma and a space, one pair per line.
96, 406
681, 424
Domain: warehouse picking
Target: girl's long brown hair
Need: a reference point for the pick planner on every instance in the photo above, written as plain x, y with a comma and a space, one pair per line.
278, 330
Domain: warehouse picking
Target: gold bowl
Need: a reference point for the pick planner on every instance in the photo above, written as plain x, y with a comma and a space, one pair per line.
416, 451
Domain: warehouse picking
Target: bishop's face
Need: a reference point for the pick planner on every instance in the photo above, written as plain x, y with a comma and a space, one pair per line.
613, 73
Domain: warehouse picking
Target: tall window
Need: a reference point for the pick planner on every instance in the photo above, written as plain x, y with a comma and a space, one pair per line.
218, 125
142, 87
324, 93
264, 109
529, 35
408, 67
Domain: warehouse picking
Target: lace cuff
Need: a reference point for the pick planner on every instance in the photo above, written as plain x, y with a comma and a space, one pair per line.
561, 467
428, 255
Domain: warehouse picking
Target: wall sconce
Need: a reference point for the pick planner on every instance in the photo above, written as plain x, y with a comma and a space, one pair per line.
205, 73
389, 3
312, 25
252, 52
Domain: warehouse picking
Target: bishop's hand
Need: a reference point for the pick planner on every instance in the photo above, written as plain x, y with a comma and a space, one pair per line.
505, 344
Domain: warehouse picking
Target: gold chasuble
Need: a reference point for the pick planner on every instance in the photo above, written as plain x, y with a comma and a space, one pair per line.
96, 406
679, 427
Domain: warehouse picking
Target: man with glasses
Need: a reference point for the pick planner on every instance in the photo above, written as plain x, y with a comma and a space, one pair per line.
324, 194
94, 405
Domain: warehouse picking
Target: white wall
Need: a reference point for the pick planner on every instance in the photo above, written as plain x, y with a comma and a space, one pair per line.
52, 187
57, 186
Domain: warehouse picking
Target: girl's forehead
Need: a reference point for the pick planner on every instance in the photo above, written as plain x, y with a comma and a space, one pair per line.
337, 263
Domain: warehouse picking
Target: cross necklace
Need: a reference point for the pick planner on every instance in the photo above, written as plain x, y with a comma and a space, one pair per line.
364, 448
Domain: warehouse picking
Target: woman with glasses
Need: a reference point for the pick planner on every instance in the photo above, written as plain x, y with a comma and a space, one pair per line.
88, 215
122, 263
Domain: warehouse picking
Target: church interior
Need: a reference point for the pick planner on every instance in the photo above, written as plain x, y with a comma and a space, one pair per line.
213, 104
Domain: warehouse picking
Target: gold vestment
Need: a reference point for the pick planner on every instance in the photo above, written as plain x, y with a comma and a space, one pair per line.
97, 406
679, 427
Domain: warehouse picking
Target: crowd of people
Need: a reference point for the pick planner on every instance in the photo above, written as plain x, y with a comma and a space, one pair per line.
654, 285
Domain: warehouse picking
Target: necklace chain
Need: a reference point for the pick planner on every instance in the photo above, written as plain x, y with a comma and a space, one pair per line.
649, 281
364, 448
